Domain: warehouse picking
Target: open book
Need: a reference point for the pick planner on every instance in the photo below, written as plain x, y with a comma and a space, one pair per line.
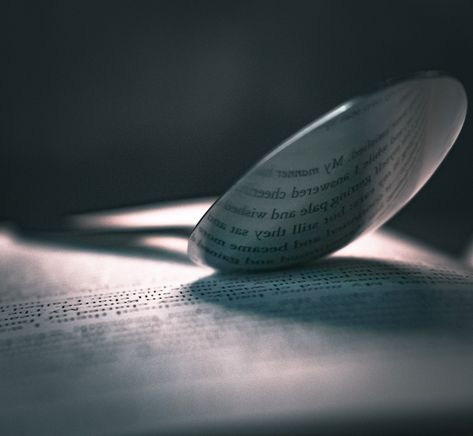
127, 336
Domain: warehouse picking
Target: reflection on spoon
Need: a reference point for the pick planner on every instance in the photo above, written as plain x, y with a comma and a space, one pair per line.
345, 174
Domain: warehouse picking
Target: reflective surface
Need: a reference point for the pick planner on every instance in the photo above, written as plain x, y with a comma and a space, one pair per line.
344, 174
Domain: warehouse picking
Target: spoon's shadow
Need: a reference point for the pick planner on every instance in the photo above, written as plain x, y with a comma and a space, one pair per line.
124, 242
367, 294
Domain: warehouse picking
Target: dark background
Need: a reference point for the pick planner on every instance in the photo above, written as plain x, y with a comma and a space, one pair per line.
113, 104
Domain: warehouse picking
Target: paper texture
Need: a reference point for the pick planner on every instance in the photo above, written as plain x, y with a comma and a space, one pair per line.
96, 342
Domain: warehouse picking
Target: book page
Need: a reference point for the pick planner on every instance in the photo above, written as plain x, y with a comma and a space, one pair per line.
136, 339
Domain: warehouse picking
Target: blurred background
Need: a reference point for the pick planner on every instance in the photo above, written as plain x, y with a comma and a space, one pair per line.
120, 104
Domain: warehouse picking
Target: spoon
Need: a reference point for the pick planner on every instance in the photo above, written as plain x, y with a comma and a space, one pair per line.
339, 177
